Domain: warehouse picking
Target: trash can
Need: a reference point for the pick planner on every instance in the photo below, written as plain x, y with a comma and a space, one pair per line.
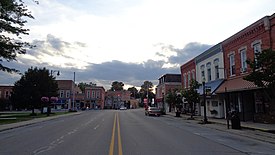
235, 121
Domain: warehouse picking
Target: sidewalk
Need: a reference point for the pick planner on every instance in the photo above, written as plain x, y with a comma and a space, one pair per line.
259, 131
33, 121
247, 125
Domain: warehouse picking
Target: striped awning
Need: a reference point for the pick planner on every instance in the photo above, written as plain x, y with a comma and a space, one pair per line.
236, 84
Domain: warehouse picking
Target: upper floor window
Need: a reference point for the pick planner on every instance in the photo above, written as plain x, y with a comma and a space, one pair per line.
208, 66
67, 94
7, 94
189, 78
184, 81
217, 73
232, 64
97, 94
93, 94
88, 94
61, 94
243, 60
202, 72
193, 74
257, 48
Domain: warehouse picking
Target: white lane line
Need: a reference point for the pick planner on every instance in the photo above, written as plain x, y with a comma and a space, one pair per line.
96, 127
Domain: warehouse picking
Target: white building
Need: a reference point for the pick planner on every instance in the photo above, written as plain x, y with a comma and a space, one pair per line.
210, 69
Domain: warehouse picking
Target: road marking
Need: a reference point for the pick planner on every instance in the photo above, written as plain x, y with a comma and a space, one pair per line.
111, 149
96, 127
119, 137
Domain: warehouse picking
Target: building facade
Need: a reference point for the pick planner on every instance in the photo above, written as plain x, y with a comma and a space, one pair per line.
5, 93
116, 99
167, 82
188, 72
243, 96
210, 70
94, 97
70, 96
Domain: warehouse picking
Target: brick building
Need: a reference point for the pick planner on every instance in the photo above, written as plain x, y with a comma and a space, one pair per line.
188, 72
5, 93
94, 97
167, 82
115, 99
70, 96
243, 96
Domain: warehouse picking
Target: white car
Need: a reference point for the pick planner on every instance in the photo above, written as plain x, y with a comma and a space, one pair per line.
122, 108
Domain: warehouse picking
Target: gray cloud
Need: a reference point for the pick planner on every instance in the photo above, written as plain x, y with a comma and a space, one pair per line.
190, 51
107, 72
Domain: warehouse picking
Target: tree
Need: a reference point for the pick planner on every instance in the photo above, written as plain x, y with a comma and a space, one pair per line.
263, 72
13, 15
134, 92
83, 85
192, 96
146, 89
35, 84
170, 98
117, 86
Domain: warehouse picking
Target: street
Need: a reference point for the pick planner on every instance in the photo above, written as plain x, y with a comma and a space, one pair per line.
117, 132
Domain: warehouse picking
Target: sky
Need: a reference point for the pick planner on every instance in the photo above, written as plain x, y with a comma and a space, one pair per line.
131, 41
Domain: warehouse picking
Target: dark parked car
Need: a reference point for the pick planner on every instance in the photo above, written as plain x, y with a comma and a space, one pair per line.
152, 111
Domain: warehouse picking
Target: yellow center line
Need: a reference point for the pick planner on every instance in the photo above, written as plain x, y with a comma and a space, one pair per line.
119, 137
111, 149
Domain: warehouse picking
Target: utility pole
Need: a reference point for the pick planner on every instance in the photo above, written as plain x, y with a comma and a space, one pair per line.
74, 92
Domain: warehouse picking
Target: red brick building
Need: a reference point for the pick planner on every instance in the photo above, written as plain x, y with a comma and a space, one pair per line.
167, 82
115, 99
70, 96
5, 93
188, 72
244, 96
94, 97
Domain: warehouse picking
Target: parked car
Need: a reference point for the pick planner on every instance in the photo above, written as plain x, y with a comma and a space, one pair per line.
152, 111
123, 108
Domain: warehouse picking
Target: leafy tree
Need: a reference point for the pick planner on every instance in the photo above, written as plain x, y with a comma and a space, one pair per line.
170, 98
263, 72
134, 92
146, 89
83, 85
33, 85
117, 86
13, 15
192, 96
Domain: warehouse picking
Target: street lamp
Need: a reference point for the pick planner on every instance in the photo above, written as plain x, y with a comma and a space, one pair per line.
204, 100
53, 71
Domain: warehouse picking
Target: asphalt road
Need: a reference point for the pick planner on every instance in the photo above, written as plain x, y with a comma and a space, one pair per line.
127, 132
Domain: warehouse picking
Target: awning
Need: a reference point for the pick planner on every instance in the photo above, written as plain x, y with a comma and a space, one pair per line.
236, 84
213, 85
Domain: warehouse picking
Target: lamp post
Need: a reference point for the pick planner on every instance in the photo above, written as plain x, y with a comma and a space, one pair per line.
49, 98
204, 100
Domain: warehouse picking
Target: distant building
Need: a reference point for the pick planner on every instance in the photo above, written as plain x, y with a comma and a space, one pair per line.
70, 96
115, 99
5, 93
94, 97
167, 82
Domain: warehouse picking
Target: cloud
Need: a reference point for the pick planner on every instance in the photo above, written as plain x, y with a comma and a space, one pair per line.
178, 56
106, 72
